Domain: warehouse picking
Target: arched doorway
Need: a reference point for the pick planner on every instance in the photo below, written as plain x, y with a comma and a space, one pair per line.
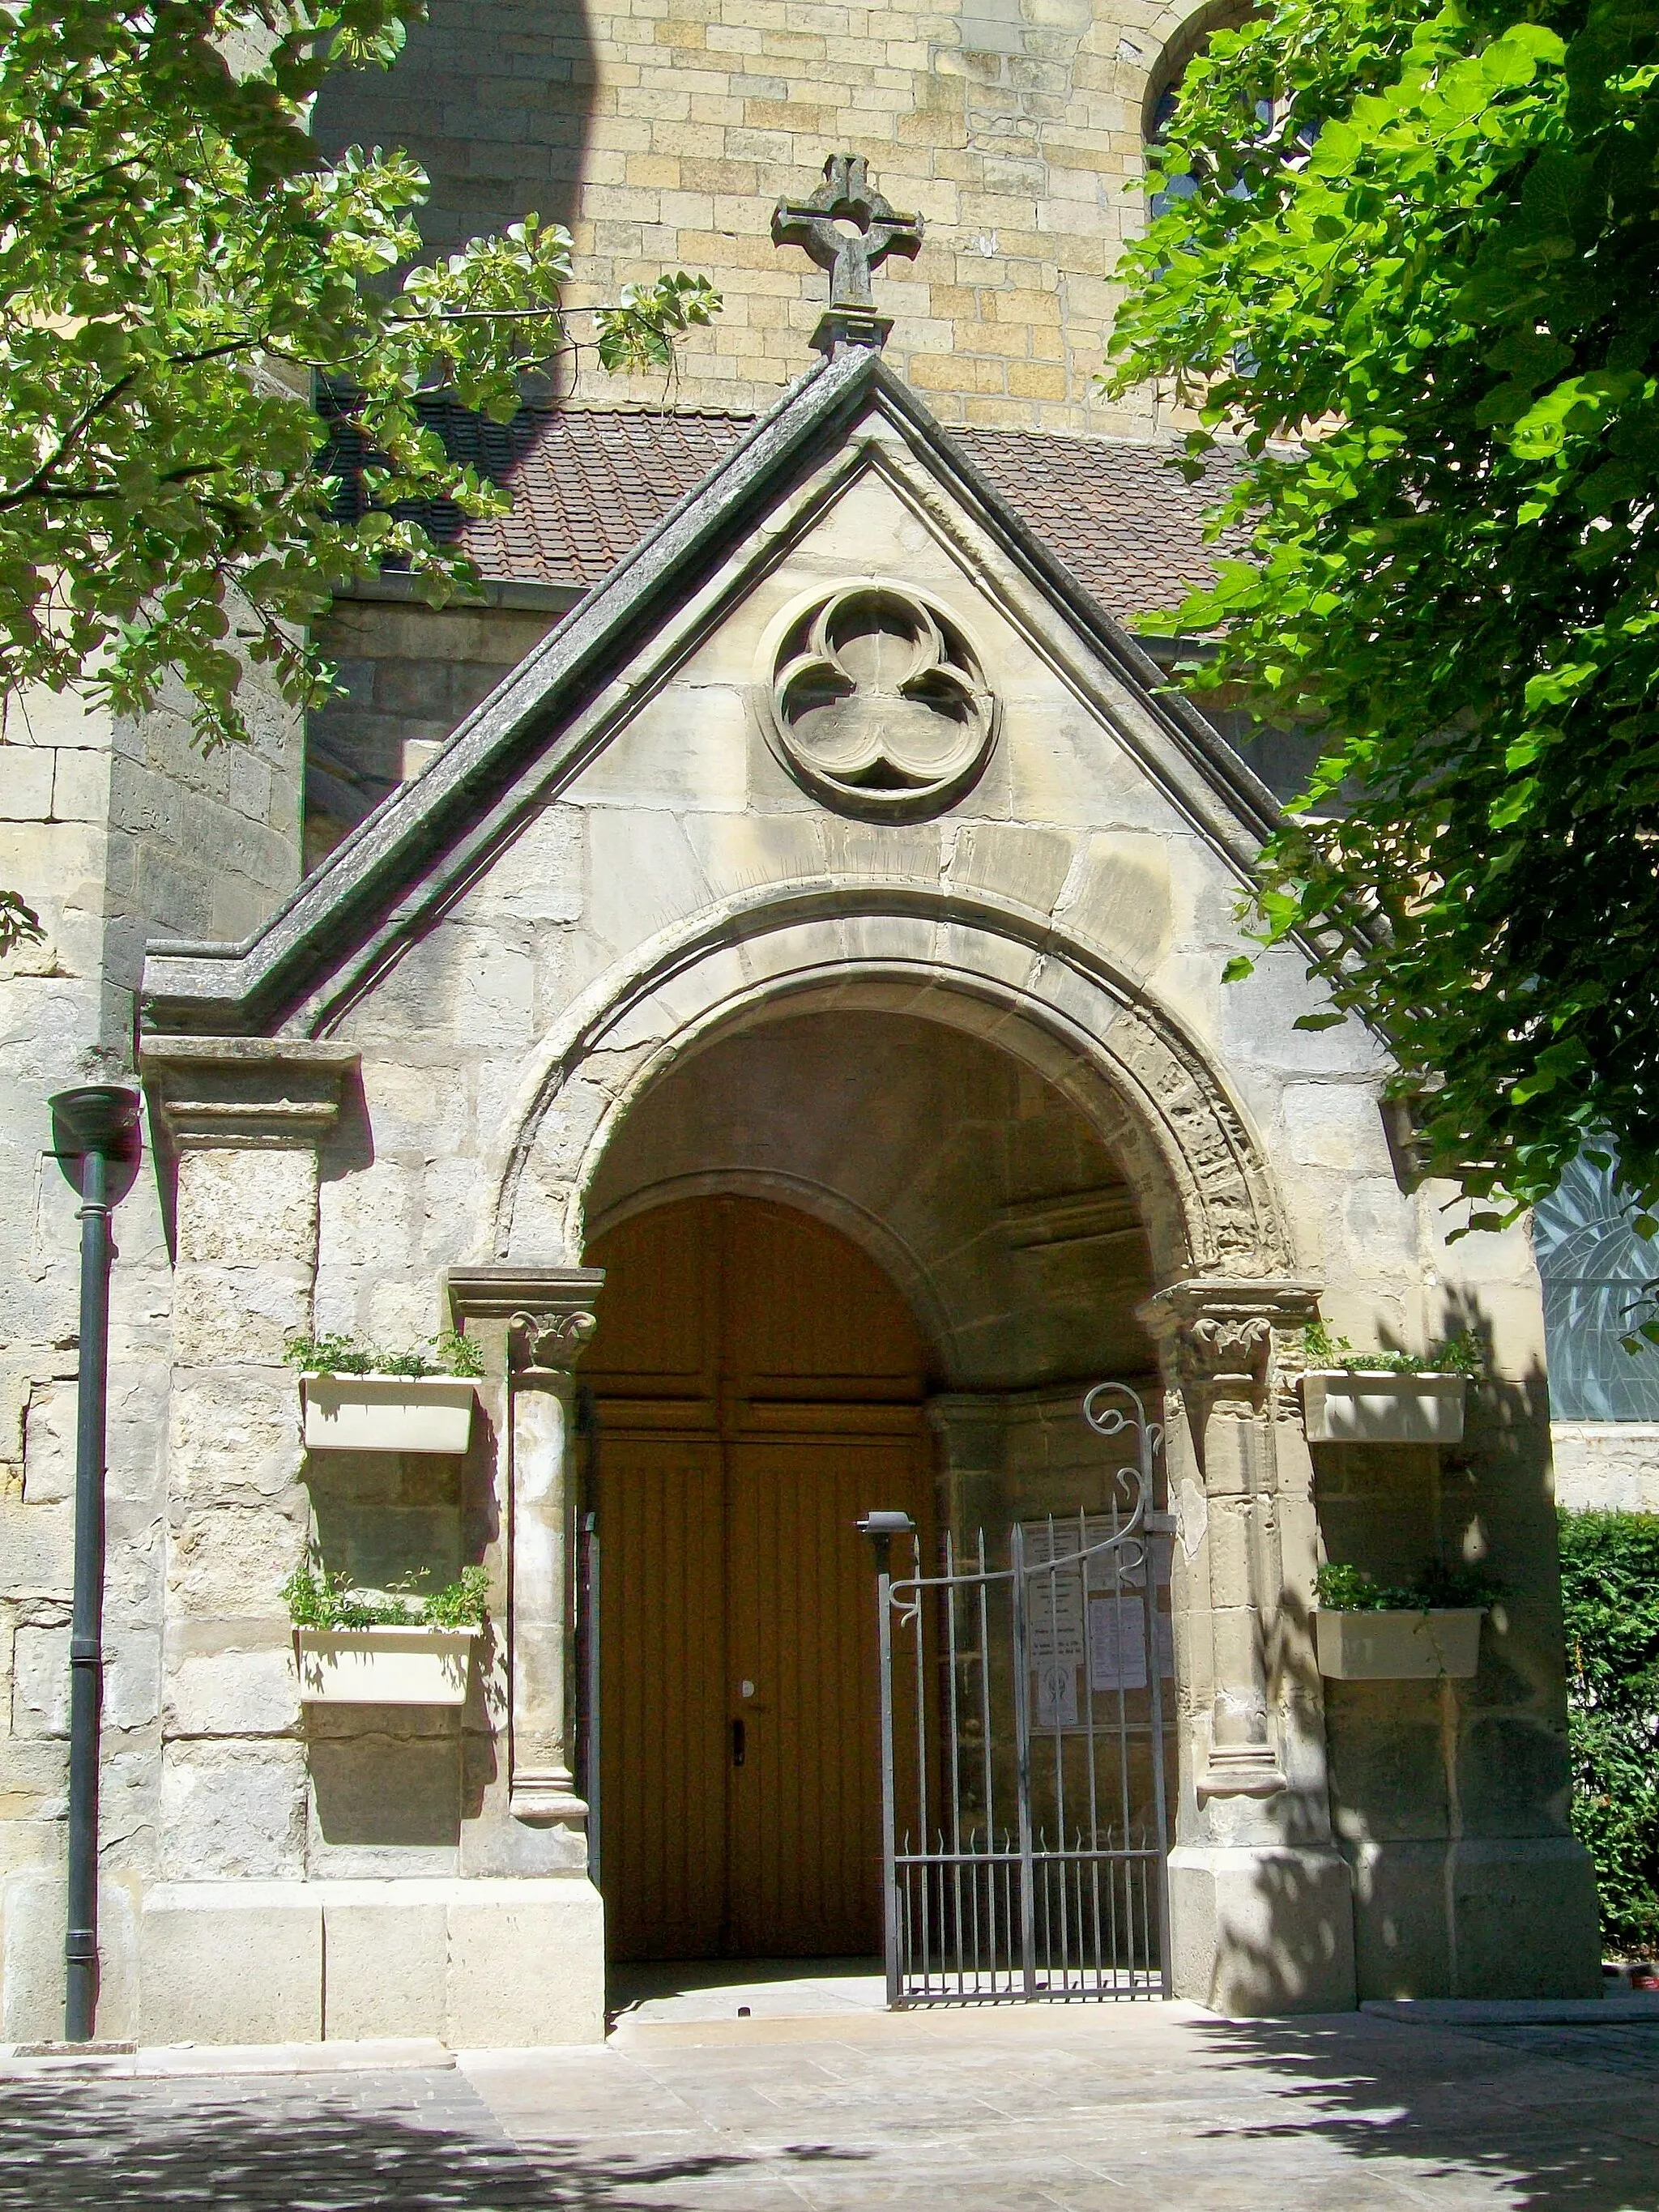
758, 1383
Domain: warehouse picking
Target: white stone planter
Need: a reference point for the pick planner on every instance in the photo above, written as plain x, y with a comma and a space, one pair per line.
1339, 1407
383, 1666
387, 1413
1399, 1646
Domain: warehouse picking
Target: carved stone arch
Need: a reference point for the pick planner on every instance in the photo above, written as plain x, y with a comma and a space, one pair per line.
1206, 1193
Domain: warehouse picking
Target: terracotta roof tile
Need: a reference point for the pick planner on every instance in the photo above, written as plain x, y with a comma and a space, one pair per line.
589, 484
1125, 524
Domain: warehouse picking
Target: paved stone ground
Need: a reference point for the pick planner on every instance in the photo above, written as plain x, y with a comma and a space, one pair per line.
419, 2139
1060, 2111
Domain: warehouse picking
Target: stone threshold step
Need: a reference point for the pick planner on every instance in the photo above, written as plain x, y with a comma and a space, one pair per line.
965, 2022
1518, 2012
130, 2062
90, 2049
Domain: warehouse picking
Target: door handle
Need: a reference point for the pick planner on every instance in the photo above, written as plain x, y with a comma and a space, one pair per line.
740, 1743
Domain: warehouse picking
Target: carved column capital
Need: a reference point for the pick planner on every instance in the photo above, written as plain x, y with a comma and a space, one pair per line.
548, 1313
1225, 1342
545, 1343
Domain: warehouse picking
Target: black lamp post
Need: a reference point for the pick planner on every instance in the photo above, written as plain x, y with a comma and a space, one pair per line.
96, 1130
881, 1528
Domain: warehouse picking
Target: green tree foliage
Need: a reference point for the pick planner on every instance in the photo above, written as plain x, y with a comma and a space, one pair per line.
1416, 276
179, 265
1610, 1603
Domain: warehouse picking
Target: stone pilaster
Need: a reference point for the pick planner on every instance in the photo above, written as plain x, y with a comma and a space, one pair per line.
245, 1117
548, 1315
1261, 1900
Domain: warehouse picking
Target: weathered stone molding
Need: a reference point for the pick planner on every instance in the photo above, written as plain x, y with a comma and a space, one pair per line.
1220, 1343
1205, 1191
247, 1092
1088, 1217
543, 1308
547, 1314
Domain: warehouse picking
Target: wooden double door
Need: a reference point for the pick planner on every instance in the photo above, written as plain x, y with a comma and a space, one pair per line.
758, 1383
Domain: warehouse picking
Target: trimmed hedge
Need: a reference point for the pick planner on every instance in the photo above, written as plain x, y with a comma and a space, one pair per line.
1610, 1606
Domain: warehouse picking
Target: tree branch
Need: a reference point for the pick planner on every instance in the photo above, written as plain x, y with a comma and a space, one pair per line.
31, 486
37, 486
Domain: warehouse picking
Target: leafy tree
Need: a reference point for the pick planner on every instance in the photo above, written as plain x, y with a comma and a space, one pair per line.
1410, 265
178, 267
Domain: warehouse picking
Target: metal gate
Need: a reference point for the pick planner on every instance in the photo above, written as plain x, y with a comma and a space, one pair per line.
1023, 1738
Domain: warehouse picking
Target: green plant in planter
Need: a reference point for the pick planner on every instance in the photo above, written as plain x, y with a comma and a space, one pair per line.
1454, 1355
451, 1354
1435, 1588
459, 1604
316, 1599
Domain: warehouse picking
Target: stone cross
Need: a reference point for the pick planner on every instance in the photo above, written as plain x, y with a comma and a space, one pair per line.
849, 230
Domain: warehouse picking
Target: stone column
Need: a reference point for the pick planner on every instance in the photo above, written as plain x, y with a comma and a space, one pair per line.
1260, 1899
246, 1116
548, 1315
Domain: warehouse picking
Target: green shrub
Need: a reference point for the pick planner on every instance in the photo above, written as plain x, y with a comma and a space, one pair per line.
1610, 1605
459, 1604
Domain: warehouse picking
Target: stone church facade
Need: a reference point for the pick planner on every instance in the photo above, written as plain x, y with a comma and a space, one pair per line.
763, 964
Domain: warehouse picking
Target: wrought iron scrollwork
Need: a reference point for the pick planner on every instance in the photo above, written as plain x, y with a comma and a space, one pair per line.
1024, 1790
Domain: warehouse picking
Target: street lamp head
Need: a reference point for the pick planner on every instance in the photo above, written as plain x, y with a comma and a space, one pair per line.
881, 1528
887, 1524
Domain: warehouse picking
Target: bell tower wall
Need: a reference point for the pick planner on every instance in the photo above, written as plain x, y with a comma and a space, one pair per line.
663, 135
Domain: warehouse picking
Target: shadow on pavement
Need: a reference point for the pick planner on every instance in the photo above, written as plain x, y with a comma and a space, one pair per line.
416, 2142
1566, 2117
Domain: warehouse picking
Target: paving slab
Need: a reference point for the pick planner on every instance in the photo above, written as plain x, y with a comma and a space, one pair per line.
1144, 2108
1065, 2108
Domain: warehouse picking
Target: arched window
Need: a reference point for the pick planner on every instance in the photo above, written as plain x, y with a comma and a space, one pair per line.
1165, 89
1165, 85
1594, 1265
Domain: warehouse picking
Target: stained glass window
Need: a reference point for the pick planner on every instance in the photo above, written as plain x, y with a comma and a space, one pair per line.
1594, 1264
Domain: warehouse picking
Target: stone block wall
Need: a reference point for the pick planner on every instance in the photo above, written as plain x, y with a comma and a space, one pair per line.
114, 832
1075, 907
1608, 1466
408, 676
663, 135
681, 832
